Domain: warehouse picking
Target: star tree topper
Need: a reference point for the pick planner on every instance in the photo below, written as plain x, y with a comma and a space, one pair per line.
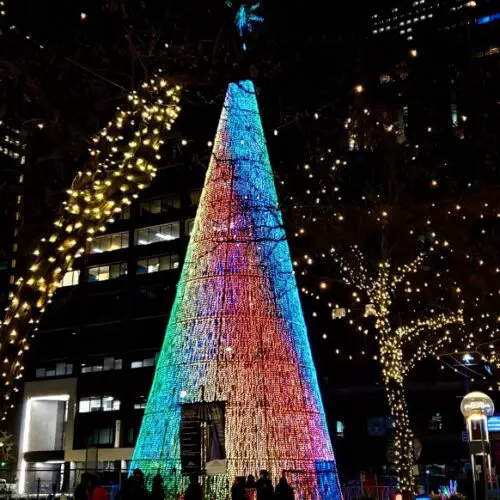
245, 17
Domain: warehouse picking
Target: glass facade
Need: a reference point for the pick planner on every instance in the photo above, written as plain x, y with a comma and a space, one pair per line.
157, 234
106, 272
160, 204
91, 404
71, 278
159, 263
109, 242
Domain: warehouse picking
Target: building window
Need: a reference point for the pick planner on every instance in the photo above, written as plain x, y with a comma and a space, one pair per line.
100, 437
109, 242
143, 363
124, 214
104, 365
160, 205
339, 428
71, 278
130, 437
155, 234
189, 226
160, 263
57, 370
194, 197
92, 404
107, 272
139, 406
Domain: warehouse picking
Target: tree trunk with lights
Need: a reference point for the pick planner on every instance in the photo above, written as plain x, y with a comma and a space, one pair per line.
403, 461
424, 336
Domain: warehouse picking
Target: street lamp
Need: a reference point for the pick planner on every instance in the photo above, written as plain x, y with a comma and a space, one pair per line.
476, 407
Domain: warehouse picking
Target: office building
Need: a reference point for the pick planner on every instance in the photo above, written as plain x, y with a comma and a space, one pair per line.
93, 358
12, 164
411, 19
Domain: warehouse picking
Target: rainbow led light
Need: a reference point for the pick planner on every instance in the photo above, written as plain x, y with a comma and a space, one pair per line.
236, 333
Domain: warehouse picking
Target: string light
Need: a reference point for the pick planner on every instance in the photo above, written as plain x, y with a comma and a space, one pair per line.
237, 289
123, 157
401, 347
387, 210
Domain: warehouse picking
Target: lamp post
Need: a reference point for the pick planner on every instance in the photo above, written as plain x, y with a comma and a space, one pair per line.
476, 407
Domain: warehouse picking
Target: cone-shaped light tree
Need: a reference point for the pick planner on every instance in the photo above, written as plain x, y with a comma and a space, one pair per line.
236, 334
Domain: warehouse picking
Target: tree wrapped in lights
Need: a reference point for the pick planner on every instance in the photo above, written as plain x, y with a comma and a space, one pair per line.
236, 333
122, 162
396, 184
400, 346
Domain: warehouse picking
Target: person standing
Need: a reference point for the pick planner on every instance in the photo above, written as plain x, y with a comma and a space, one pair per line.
134, 487
194, 490
82, 490
96, 490
238, 488
157, 491
265, 489
284, 491
251, 488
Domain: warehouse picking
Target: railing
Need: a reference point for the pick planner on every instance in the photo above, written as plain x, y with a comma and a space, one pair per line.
355, 492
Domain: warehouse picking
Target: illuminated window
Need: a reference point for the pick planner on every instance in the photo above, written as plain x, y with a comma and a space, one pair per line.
103, 365
106, 272
142, 363
160, 205
57, 370
155, 234
139, 406
92, 404
194, 197
339, 427
71, 278
160, 263
109, 242
190, 225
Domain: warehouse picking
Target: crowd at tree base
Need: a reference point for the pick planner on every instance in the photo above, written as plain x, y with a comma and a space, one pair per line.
134, 488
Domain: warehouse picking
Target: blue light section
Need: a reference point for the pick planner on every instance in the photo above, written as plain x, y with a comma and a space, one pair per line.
494, 423
249, 148
488, 19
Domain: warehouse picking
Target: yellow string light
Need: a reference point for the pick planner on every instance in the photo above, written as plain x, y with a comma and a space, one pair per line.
118, 165
423, 337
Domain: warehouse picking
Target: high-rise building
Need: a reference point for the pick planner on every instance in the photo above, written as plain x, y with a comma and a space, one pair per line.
412, 18
235, 386
12, 161
92, 361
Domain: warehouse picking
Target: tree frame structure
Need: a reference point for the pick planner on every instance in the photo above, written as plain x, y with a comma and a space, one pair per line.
236, 334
